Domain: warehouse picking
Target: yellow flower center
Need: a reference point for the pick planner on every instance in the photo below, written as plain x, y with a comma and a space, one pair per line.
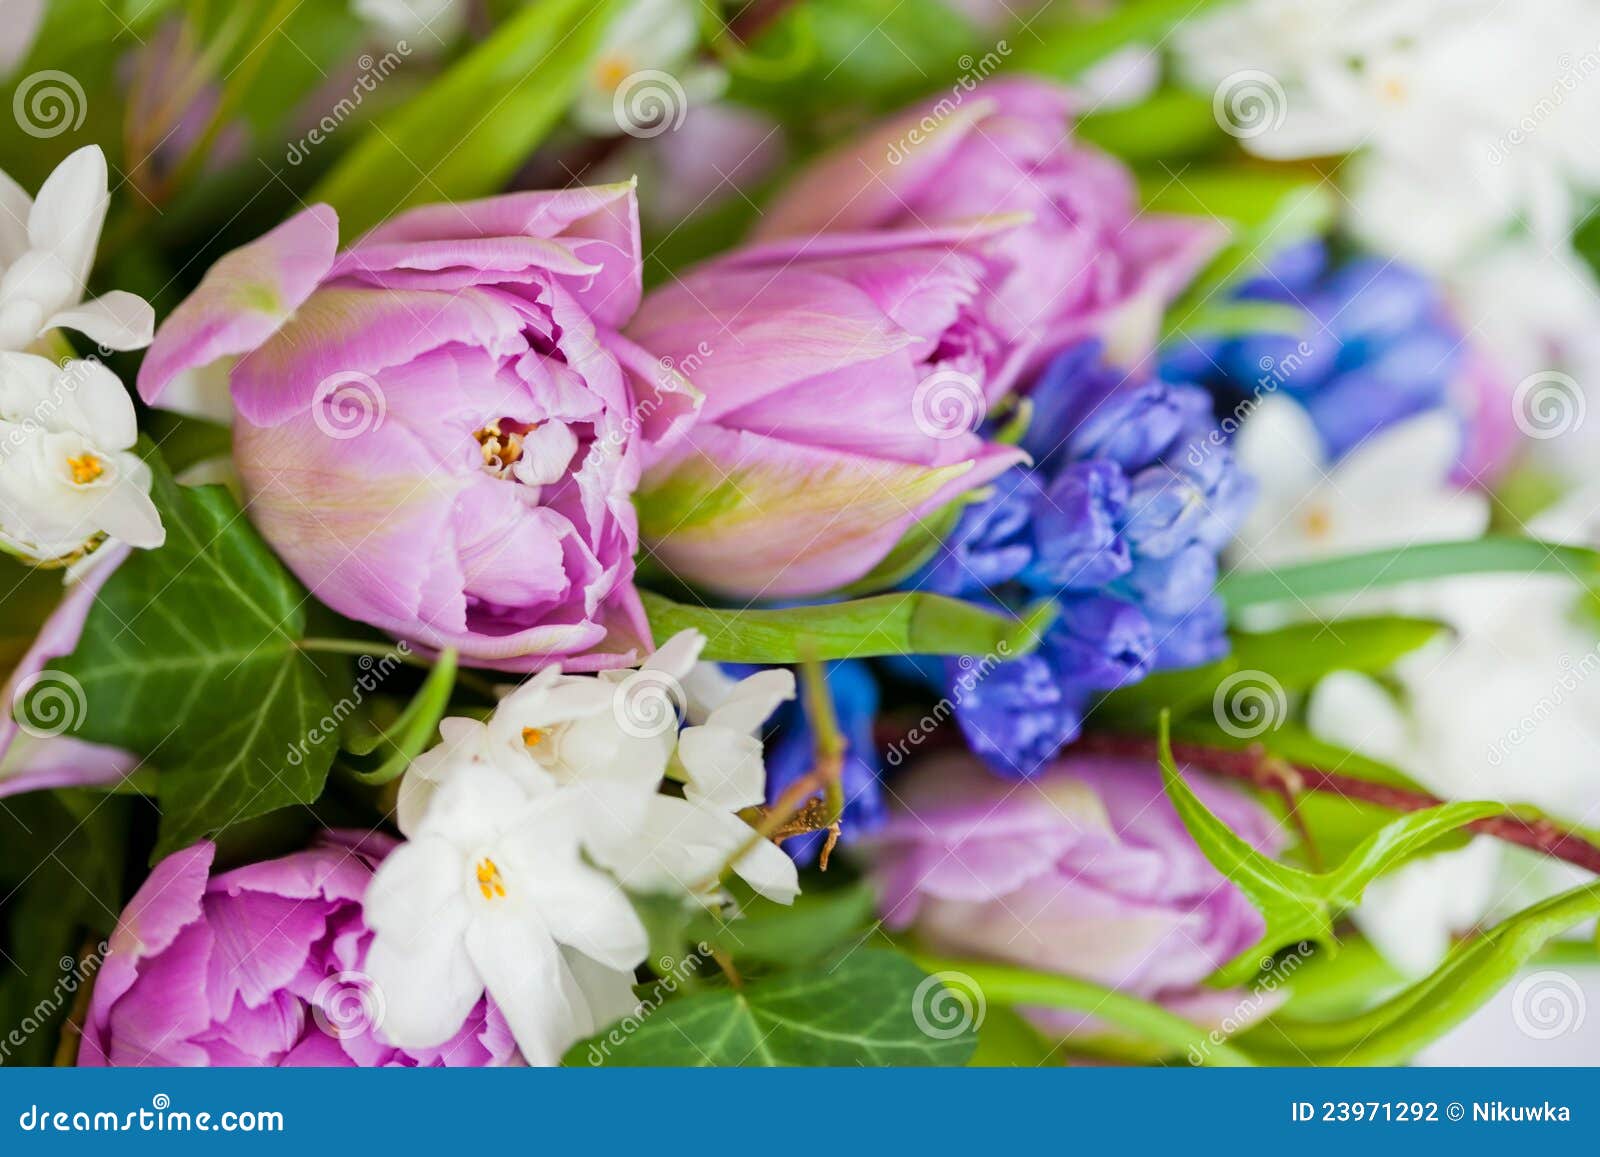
1317, 522
611, 71
502, 449
533, 736
85, 468
489, 881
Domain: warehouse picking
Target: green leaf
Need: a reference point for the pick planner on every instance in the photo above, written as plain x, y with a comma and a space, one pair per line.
1230, 318
1396, 1029
1003, 984
868, 1008
1172, 123
1267, 211
1496, 554
915, 548
882, 53
413, 732
768, 933
1300, 906
468, 132
190, 657
1293, 657
903, 623
62, 875
1062, 47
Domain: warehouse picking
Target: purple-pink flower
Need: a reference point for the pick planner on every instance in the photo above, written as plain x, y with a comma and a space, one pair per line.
1085, 870
260, 965
844, 379
439, 428
1087, 263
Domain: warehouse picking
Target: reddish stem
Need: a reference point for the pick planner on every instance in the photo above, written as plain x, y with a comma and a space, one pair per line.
1254, 766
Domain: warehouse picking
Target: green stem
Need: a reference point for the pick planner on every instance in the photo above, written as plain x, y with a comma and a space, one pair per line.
1005, 984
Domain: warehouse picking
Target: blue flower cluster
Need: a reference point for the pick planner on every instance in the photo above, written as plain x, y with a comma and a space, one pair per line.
1119, 520
1380, 346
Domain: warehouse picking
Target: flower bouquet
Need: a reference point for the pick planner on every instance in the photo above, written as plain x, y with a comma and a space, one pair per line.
798, 532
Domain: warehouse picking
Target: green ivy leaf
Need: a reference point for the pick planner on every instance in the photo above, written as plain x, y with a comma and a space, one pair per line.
768, 933
867, 1008
1396, 1029
467, 132
903, 623
1495, 554
1297, 905
190, 657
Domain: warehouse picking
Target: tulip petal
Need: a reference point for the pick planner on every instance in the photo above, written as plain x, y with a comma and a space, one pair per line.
751, 515
245, 298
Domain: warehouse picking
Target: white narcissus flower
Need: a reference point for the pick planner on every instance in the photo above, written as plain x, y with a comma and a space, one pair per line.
645, 75
685, 842
1471, 116
492, 893
47, 247
524, 829
67, 472
1393, 488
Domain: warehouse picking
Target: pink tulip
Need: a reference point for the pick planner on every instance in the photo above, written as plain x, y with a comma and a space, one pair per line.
439, 429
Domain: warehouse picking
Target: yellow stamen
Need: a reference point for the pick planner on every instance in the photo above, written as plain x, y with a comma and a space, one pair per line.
489, 882
611, 71
85, 468
533, 736
1394, 90
1317, 522
500, 451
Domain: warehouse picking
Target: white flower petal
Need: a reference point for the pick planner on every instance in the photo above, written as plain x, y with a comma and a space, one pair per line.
525, 975
69, 210
124, 510
724, 768
117, 321
752, 701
